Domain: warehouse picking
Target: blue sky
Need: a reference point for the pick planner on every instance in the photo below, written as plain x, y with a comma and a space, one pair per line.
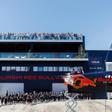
93, 18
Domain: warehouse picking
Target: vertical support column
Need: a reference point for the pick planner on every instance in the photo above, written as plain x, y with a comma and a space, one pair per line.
81, 51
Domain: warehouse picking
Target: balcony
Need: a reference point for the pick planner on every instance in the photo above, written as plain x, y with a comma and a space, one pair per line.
44, 56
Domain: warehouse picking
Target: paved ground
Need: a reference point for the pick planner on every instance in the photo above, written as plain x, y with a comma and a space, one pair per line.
83, 106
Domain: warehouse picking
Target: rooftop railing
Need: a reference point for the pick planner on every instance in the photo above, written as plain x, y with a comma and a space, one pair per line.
40, 36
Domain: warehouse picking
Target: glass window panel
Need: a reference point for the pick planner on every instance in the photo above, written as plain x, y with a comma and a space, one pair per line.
26, 69
50, 69
8, 68
34, 68
22, 68
40, 68
45, 68
18, 68
13, 68
53, 68
3, 68
60, 68
65, 68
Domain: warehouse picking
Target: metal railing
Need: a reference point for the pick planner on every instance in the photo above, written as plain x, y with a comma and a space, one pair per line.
43, 55
71, 103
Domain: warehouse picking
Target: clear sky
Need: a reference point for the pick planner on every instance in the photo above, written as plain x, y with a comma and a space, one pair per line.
93, 18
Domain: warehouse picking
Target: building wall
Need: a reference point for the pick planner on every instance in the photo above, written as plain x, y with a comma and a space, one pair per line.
97, 63
36, 80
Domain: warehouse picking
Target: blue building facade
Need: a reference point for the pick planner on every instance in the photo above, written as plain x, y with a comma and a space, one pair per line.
38, 61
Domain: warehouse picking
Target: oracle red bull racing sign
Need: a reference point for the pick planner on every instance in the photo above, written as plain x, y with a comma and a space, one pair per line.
79, 81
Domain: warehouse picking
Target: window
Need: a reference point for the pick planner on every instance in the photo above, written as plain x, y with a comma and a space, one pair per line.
40, 68
8, 68
60, 68
108, 66
45, 68
13, 68
23, 69
69, 69
16, 68
3, 68
50, 68
34, 68
65, 68
54, 68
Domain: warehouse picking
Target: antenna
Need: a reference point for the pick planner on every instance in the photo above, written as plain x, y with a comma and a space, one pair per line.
108, 52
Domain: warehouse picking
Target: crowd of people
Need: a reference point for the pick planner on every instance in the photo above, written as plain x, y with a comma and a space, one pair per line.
40, 36
32, 97
38, 97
